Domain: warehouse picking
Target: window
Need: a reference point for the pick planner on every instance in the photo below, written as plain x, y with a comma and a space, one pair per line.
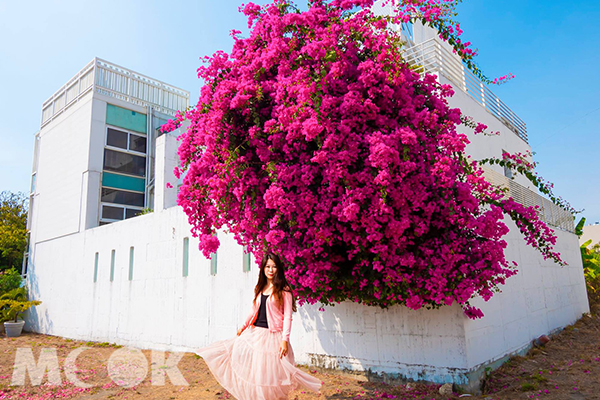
131, 263
30, 211
112, 265
213, 263
132, 212
246, 262
125, 140
122, 197
137, 143
109, 212
507, 171
96, 267
24, 265
116, 138
186, 256
116, 213
124, 175
124, 163
32, 188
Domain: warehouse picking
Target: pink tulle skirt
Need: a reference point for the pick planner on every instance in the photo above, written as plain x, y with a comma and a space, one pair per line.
249, 367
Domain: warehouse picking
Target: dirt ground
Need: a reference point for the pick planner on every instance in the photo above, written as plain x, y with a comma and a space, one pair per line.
568, 367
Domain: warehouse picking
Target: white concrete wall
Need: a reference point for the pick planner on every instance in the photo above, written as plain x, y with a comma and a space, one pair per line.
62, 162
541, 298
166, 160
483, 146
161, 309
415, 344
97, 132
158, 308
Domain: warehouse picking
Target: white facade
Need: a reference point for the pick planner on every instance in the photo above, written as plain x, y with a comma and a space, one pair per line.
136, 282
590, 232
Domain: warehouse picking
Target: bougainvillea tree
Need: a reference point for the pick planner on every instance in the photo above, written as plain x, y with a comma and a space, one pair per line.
314, 139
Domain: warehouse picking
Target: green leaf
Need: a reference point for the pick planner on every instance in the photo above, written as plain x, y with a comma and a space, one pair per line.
579, 227
330, 56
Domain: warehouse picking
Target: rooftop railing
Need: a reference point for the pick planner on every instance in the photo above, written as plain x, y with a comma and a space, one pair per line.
548, 212
114, 81
433, 57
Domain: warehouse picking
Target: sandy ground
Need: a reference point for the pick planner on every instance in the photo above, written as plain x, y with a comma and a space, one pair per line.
568, 367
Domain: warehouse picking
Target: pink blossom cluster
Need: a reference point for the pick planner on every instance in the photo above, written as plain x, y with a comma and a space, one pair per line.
537, 234
314, 139
173, 124
521, 163
477, 127
520, 159
535, 231
503, 79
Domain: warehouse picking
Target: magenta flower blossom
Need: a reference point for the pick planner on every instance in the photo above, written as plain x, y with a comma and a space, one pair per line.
503, 79
314, 139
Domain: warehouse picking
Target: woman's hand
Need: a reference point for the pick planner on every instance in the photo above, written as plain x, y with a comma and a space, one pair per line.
239, 332
283, 349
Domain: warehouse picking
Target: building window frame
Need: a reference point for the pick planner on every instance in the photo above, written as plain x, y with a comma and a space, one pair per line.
129, 134
125, 208
121, 204
128, 153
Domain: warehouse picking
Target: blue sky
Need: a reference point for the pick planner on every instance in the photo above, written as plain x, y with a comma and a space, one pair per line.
553, 48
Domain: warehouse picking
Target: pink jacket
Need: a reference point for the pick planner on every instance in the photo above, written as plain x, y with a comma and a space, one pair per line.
278, 319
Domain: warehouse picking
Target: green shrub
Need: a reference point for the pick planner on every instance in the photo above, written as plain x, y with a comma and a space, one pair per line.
9, 279
591, 265
14, 303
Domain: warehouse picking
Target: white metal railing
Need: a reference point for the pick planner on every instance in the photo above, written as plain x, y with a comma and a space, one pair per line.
433, 57
112, 80
549, 212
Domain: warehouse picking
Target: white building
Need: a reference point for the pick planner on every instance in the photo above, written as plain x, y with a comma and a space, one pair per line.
141, 281
590, 232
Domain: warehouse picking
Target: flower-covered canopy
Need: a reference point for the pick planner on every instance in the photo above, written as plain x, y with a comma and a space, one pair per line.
314, 139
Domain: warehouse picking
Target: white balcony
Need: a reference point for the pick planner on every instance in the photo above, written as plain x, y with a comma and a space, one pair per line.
112, 80
548, 212
433, 57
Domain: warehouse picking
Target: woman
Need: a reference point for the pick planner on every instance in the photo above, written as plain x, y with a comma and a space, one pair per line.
258, 364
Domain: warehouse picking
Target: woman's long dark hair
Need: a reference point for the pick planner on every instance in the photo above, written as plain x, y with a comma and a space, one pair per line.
280, 284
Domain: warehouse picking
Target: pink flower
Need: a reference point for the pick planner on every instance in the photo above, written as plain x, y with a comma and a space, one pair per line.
330, 151
351, 212
311, 128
